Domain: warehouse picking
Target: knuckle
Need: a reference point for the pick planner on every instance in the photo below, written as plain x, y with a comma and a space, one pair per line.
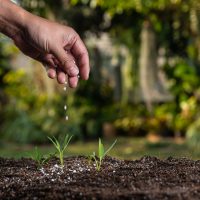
70, 29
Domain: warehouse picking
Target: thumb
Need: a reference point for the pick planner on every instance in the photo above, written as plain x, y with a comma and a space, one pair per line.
67, 62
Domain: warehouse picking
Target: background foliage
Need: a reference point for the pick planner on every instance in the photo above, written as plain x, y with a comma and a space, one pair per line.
110, 103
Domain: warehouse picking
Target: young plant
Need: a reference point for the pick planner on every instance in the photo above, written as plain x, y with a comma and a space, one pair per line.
101, 154
60, 148
40, 159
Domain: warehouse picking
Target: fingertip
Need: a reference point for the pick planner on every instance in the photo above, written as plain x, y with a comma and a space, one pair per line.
86, 77
84, 74
84, 68
51, 73
61, 80
73, 82
61, 77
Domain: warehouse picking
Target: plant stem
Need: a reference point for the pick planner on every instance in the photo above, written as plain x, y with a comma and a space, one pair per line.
61, 159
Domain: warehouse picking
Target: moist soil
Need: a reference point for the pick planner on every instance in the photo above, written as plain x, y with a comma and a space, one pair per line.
147, 178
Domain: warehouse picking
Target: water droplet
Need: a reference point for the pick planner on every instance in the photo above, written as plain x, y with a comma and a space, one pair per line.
78, 76
65, 88
67, 118
65, 107
66, 82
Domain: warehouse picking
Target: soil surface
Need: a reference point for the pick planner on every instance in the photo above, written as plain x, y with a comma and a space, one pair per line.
147, 178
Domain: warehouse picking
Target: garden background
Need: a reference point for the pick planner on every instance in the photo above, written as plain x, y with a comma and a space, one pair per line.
144, 86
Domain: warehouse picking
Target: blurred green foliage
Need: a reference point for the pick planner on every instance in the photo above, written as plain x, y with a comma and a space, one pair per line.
28, 114
193, 136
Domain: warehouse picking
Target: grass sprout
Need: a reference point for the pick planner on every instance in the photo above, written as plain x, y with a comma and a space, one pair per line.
60, 148
39, 158
101, 154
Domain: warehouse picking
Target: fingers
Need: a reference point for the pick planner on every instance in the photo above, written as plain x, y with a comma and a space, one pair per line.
52, 67
80, 53
73, 81
51, 72
61, 76
71, 63
49, 64
66, 62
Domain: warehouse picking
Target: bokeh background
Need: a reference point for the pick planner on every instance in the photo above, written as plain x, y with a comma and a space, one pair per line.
144, 87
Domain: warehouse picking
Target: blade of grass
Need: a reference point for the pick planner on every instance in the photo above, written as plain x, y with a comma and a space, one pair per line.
110, 147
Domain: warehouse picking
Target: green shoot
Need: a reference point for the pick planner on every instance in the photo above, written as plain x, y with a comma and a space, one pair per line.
101, 154
39, 158
60, 148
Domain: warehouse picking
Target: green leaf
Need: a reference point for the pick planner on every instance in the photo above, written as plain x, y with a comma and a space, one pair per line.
67, 141
60, 147
110, 147
55, 143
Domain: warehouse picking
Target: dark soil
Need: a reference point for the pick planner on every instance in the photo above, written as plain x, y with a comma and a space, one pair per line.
147, 178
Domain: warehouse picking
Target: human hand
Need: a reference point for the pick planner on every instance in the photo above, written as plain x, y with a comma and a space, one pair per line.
57, 46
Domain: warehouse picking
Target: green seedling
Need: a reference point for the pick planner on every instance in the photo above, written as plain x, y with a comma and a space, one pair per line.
60, 148
40, 159
101, 154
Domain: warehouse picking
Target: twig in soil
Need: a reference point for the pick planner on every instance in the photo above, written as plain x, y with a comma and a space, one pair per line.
61, 147
101, 154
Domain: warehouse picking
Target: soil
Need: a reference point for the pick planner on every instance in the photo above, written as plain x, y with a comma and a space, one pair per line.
147, 178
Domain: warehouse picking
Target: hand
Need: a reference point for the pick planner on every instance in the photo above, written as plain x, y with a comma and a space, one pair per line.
57, 46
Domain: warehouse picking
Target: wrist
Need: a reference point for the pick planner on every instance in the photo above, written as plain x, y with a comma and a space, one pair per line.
12, 18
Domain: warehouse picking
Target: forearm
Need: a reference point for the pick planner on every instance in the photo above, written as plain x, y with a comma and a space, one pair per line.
12, 18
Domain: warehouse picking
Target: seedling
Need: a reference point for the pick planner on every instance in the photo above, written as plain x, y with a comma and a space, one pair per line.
101, 154
40, 159
60, 148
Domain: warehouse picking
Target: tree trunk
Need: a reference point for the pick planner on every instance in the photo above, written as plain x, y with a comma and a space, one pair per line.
152, 88
147, 62
118, 83
116, 62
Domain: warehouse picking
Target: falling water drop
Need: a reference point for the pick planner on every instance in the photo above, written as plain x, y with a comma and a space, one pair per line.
66, 118
65, 107
65, 88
